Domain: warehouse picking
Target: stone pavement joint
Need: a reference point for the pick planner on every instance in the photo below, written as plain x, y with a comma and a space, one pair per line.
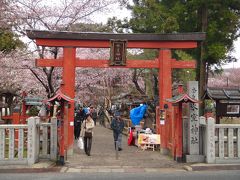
120, 170
214, 167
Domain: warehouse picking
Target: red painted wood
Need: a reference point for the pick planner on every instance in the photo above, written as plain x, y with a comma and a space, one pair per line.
49, 62
158, 119
174, 133
15, 118
61, 132
98, 63
103, 63
129, 64
68, 135
167, 44
165, 64
179, 148
7, 117
106, 44
165, 91
68, 89
24, 113
184, 64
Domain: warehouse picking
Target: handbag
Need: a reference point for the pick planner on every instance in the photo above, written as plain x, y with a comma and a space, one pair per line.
87, 134
80, 143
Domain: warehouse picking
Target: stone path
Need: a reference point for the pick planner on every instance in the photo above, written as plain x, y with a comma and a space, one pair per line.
103, 157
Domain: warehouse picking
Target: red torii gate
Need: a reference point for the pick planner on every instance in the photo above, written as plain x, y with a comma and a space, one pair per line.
71, 40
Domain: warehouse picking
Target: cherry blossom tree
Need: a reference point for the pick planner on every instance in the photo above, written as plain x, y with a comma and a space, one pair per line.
228, 78
54, 15
15, 78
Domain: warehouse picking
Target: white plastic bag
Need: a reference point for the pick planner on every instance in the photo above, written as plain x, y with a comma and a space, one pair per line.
80, 143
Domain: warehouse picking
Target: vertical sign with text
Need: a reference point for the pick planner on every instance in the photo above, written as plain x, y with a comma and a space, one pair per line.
193, 138
118, 53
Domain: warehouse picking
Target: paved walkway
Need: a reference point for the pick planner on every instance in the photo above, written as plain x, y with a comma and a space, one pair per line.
103, 156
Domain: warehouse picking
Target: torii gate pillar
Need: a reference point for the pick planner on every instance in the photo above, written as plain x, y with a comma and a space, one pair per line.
69, 64
165, 92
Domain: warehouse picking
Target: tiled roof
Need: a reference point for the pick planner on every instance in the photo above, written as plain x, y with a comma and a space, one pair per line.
182, 98
222, 94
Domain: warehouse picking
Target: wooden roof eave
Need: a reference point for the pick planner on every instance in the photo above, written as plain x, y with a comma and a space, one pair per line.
192, 36
185, 98
226, 94
217, 94
59, 96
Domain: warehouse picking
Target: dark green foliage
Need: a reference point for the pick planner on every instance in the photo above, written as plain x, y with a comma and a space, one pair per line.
33, 111
167, 16
150, 16
8, 41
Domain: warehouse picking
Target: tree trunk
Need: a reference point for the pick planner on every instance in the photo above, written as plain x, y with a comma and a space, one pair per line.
203, 17
149, 84
135, 81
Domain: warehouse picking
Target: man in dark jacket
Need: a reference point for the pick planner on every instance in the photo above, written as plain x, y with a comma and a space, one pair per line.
78, 122
117, 126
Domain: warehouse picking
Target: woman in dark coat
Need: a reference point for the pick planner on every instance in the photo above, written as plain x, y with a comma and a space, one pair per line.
78, 122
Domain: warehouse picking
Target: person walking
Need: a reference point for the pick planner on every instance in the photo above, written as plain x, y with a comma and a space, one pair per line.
101, 116
117, 126
78, 122
93, 113
87, 133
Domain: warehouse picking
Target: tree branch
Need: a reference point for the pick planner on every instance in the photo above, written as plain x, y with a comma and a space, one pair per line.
35, 74
135, 81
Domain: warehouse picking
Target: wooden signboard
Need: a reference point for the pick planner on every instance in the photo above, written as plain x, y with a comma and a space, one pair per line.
118, 53
149, 139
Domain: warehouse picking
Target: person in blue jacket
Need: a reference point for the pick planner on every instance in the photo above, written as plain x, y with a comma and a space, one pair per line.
117, 126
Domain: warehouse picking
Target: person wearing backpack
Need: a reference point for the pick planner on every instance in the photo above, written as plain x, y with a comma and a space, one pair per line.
117, 126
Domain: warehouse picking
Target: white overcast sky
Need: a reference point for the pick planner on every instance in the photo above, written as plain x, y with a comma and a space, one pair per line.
236, 54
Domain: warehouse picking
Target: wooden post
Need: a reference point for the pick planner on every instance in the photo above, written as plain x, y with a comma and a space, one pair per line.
179, 144
174, 129
165, 92
69, 65
61, 136
24, 112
